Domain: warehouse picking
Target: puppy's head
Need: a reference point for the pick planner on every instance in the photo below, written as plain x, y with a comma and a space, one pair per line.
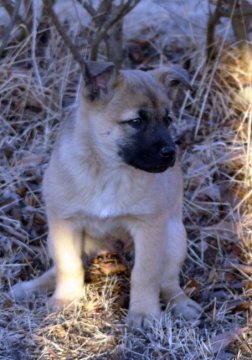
129, 114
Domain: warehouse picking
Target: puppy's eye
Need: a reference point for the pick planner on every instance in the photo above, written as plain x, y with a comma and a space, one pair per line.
136, 123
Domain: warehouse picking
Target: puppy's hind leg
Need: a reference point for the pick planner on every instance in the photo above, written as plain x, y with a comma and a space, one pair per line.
175, 252
45, 282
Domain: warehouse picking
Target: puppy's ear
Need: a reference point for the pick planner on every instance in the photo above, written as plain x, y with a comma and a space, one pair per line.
99, 79
171, 76
175, 79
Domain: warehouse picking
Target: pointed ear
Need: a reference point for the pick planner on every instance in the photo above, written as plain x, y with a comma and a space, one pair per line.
175, 79
99, 79
172, 76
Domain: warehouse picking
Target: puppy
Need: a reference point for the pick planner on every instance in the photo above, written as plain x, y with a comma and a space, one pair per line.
114, 172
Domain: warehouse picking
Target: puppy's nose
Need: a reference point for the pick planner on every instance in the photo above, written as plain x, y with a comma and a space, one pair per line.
167, 152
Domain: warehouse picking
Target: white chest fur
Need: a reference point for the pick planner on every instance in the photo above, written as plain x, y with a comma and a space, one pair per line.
102, 204
114, 193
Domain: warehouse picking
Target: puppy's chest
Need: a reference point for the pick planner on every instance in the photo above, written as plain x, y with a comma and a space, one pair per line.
100, 228
97, 207
102, 204
97, 203
108, 196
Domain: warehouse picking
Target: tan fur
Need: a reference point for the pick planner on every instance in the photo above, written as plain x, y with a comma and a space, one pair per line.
89, 190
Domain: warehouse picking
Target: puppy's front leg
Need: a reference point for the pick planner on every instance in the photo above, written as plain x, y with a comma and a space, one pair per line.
65, 247
175, 252
146, 275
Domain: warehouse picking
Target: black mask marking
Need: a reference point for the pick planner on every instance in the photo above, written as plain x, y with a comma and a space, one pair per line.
149, 148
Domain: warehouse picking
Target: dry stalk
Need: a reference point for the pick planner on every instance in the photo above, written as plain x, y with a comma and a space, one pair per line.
24, 26
68, 42
240, 14
9, 28
10, 10
211, 25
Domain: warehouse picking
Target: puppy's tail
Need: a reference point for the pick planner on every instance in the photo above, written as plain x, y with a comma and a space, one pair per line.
45, 282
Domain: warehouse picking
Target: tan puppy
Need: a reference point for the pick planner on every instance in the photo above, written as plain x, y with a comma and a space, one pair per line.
114, 172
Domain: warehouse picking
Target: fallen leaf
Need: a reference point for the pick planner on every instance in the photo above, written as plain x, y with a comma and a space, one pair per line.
193, 288
230, 277
7, 304
247, 285
106, 264
21, 190
243, 306
233, 193
140, 51
237, 250
238, 305
210, 255
221, 341
247, 269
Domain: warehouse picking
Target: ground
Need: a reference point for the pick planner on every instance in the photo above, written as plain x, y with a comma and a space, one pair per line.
213, 131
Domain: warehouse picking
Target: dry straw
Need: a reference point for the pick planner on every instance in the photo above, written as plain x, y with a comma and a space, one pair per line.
38, 80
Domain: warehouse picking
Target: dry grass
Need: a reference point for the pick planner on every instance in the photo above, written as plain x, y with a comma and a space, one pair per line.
215, 140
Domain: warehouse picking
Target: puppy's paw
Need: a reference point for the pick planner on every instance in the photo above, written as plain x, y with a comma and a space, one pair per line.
137, 320
59, 301
56, 304
186, 307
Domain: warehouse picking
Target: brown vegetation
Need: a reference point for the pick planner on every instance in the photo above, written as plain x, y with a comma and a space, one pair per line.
214, 133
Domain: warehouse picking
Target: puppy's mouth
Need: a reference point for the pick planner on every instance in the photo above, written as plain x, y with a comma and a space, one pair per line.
158, 168
153, 167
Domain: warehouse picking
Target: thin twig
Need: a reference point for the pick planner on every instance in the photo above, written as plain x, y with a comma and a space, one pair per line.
88, 7
123, 10
34, 40
211, 25
10, 27
76, 55
10, 10
243, 11
231, 12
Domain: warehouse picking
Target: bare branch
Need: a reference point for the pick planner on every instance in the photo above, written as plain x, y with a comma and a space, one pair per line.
243, 11
211, 25
122, 10
76, 55
104, 18
10, 26
241, 22
104, 11
10, 10
241, 19
88, 7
